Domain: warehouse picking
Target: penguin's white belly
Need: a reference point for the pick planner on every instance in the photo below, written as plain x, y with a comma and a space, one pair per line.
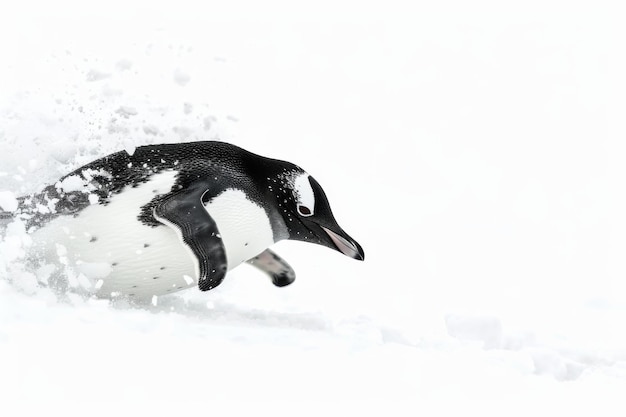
243, 225
106, 249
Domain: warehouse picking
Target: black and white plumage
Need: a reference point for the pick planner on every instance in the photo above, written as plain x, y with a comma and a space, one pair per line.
120, 220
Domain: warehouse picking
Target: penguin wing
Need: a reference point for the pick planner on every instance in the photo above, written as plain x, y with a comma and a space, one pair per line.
185, 213
273, 265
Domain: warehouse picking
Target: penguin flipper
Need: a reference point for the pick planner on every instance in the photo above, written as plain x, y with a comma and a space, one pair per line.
185, 213
273, 265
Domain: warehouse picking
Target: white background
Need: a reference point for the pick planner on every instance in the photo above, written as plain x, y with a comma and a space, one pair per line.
474, 149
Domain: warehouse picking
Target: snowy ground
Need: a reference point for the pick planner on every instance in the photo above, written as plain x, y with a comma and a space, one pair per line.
476, 153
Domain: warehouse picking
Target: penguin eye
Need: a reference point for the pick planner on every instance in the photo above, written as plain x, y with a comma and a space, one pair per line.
304, 211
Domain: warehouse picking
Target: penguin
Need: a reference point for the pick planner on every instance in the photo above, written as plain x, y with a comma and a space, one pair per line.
174, 216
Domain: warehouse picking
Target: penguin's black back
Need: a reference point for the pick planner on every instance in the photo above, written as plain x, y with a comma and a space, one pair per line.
113, 173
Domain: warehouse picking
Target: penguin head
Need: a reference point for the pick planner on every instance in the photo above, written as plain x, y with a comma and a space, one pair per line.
306, 212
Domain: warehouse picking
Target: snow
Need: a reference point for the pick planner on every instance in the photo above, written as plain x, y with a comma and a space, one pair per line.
126, 112
8, 202
71, 183
95, 75
474, 150
181, 78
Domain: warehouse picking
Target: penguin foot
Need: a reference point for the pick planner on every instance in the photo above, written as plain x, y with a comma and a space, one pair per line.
283, 279
273, 265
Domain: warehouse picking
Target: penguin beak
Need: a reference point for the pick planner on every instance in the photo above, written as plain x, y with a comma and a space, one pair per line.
345, 244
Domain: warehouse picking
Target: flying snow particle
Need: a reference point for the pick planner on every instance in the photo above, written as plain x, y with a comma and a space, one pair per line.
61, 253
62, 152
108, 91
44, 273
181, 78
71, 183
8, 202
126, 111
83, 281
182, 132
123, 65
208, 122
95, 75
151, 130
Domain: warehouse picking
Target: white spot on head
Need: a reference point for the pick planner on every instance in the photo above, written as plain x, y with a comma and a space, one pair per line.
305, 197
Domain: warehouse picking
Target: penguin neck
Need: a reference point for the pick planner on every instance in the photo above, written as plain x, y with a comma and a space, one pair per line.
279, 228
